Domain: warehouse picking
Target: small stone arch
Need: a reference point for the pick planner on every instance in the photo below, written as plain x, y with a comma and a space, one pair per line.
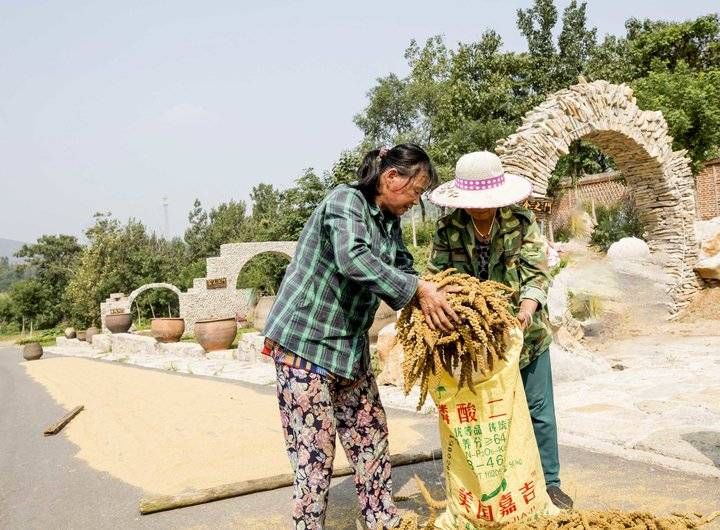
149, 286
660, 179
285, 255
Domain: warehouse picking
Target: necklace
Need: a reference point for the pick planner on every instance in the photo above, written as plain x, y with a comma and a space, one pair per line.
479, 232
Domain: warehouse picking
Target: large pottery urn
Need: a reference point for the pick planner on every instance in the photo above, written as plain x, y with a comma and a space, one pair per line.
216, 334
32, 351
261, 311
167, 329
118, 322
69, 333
80, 335
90, 333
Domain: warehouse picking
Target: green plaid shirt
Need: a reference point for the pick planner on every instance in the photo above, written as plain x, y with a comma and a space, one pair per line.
349, 257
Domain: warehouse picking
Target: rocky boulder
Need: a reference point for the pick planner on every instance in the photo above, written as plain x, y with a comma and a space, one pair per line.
629, 248
709, 268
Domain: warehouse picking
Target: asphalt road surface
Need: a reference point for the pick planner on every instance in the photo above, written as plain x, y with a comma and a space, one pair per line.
43, 486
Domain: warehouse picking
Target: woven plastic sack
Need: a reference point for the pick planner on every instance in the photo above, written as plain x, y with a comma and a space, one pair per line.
492, 465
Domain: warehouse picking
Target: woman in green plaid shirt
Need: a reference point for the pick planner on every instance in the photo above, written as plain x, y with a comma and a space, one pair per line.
350, 256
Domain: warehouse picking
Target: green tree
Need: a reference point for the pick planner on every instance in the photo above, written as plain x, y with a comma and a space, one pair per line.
266, 222
344, 170
298, 204
10, 274
575, 44
30, 303
536, 23
53, 259
690, 102
693, 44
226, 223
391, 114
121, 258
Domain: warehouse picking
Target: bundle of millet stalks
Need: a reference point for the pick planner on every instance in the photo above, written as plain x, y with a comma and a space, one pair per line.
476, 344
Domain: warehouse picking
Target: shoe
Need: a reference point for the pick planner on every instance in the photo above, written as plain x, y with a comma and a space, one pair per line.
559, 498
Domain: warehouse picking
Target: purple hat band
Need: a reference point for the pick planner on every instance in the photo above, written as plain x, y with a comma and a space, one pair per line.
476, 185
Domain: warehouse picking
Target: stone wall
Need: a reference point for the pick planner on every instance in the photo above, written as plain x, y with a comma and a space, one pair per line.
660, 179
707, 190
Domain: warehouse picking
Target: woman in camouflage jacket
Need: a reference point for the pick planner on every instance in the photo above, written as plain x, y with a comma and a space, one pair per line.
489, 237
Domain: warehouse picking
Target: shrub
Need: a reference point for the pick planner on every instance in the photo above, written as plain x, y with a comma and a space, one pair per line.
616, 222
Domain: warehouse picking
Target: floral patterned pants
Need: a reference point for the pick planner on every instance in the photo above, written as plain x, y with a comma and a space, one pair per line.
312, 408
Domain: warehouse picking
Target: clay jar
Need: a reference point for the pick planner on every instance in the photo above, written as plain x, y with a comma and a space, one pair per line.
80, 335
216, 334
90, 333
167, 329
69, 333
118, 322
32, 351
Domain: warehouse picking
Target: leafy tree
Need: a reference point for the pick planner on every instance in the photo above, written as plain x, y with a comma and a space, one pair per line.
690, 102
391, 113
344, 169
30, 302
121, 258
575, 44
226, 223
53, 259
298, 204
10, 274
693, 44
536, 23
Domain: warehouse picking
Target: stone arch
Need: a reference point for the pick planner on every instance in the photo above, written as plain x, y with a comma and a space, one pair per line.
234, 256
660, 179
273, 252
149, 286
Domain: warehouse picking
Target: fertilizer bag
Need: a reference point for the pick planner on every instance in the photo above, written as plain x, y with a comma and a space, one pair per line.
492, 465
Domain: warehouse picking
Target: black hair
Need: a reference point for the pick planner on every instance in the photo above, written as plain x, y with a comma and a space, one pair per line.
408, 159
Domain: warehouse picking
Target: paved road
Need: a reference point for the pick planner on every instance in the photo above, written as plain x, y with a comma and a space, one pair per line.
43, 486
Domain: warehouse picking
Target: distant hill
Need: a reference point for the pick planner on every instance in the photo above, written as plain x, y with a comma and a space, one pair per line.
8, 247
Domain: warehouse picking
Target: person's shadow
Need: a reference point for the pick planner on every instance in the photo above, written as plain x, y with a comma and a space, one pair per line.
707, 442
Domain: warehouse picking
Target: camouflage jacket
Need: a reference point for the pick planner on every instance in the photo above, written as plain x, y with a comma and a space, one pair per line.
517, 259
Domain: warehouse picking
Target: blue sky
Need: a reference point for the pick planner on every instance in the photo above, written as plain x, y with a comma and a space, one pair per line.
113, 105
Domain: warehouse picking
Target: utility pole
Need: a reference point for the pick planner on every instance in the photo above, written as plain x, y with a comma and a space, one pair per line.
167, 219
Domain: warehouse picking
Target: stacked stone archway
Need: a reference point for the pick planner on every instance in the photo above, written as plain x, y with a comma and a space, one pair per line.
217, 295
660, 179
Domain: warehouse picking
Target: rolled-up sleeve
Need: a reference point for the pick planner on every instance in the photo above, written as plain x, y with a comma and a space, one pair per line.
345, 223
533, 267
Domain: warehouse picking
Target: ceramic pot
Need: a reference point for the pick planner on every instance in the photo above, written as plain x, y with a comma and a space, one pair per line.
216, 334
90, 333
69, 333
167, 329
32, 351
80, 335
118, 322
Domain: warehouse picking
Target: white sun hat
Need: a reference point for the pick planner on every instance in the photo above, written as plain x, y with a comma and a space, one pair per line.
481, 182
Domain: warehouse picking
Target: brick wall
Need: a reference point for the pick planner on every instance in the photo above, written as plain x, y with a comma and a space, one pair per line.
604, 188
707, 190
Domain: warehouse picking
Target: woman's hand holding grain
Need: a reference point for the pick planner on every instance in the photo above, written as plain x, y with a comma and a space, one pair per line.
435, 306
